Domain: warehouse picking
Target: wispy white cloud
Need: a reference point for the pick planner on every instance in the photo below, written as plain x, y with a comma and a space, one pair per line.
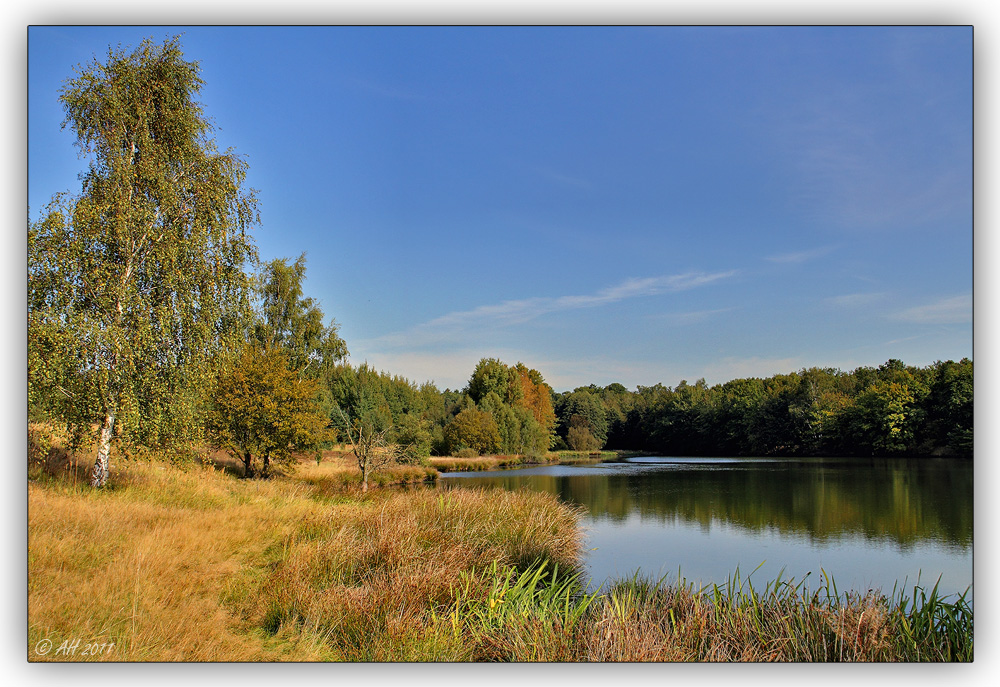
452, 326
681, 318
956, 310
893, 342
854, 300
800, 256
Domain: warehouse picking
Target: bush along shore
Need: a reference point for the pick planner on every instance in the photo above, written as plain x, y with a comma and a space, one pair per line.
290, 569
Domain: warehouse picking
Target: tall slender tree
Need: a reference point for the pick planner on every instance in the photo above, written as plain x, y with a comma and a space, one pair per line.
294, 322
138, 280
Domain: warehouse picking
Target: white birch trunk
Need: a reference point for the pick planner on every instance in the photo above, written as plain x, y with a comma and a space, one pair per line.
100, 472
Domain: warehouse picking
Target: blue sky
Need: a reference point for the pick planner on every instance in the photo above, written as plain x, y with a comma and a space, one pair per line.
633, 205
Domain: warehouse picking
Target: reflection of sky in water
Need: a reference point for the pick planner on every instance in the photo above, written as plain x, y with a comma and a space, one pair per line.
793, 517
707, 554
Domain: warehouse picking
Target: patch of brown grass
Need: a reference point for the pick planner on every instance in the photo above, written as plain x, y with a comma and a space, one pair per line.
478, 463
339, 472
146, 564
369, 583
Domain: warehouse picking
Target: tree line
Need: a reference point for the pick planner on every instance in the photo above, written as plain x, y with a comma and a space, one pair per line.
892, 409
153, 324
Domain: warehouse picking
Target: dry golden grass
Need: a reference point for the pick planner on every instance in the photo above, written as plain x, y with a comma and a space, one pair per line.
369, 582
478, 463
195, 564
147, 563
338, 472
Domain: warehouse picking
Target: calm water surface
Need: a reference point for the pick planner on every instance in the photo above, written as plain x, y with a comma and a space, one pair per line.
867, 523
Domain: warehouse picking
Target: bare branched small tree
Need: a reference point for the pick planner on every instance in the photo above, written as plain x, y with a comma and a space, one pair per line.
372, 448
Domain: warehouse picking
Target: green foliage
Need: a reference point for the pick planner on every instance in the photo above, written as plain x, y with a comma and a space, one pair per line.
492, 376
414, 434
949, 416
475, 429
535, 439
579, 438
889, 410
294, 322
586, 410
263, 410
880, 418
530, 615
137, 281
374, 398
519, 401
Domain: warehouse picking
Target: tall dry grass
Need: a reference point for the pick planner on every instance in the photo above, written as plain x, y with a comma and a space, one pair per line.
148, 563
370, 583
197, 565
641, 620
474, 464
338, 472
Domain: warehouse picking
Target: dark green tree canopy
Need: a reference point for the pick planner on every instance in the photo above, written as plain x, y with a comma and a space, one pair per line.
491, 375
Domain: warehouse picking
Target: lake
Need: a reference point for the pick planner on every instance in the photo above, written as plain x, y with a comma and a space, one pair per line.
868, 523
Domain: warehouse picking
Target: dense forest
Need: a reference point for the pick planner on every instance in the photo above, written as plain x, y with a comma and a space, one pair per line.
893, 409
154, 325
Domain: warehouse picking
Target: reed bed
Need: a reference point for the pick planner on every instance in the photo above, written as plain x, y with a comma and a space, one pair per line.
478, 463
482, 463
525, 617
475, 464
641, 620
581, 457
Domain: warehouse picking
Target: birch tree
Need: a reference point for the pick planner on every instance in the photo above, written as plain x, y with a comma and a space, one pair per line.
294, 322
134, 283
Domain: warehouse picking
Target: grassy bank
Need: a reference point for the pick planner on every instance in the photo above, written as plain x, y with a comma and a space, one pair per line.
482, 463
338, 472
171, 564
195, 564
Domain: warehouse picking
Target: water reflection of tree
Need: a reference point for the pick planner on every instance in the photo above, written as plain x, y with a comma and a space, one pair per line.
899, 500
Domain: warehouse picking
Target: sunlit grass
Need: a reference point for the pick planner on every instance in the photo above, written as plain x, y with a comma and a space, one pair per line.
478, 463
145, 564
196, 564
337, 472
